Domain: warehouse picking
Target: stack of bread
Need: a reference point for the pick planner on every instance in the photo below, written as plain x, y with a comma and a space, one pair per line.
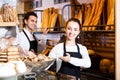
8, 14
3, 57
9, 50
13, 53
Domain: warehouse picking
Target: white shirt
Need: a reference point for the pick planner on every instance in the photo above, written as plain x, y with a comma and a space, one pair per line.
23, 41
58, 51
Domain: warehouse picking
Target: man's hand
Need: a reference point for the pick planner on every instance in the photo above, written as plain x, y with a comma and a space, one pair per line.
45, 31
66, 58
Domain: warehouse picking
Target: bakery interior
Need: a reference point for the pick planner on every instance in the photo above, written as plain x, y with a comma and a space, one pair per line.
100, 21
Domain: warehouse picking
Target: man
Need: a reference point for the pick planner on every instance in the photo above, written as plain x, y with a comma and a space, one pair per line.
27, 40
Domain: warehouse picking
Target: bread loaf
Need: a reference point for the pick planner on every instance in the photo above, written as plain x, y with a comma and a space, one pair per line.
110, 21
97, 16
45, 19
53, 21
3, 57
88, 8
13, 53
9, 14
1, 19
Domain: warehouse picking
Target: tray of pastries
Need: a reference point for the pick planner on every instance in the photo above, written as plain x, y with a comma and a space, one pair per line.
38, 63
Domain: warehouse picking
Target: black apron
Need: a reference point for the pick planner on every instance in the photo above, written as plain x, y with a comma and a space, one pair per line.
33, 44
69, 69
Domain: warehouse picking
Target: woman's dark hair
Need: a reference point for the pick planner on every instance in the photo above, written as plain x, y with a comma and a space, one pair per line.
74, 20
28, 14
79, 39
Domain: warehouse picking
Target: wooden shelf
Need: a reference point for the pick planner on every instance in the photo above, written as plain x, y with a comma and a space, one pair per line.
100, 31
7, 24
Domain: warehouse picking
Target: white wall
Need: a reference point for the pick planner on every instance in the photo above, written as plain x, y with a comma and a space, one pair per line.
117, 25
11, 2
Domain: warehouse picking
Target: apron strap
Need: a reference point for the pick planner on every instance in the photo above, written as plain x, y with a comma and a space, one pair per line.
26, 35
65, 48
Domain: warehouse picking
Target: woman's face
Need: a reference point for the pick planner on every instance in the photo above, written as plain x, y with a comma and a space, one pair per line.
72, 30
31, 23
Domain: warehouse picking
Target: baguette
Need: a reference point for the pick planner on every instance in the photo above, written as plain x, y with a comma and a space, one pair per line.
98, 14
110, 21
60, 21
92, 13
45, 19
1, 19
53, 21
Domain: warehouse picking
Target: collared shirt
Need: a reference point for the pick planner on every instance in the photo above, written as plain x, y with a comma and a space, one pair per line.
23, 41
30, 36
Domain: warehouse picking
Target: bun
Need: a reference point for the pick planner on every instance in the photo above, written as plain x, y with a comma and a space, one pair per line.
11, 49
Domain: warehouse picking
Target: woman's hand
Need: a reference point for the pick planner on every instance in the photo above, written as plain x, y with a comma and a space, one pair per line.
66, 58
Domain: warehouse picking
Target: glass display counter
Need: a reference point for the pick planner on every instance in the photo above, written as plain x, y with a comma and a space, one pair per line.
85, 75
44, 75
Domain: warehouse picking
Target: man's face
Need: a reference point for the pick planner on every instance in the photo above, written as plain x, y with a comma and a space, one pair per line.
31, 23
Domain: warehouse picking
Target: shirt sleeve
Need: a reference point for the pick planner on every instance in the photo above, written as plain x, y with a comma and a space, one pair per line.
83, 62
52, 53
57, 51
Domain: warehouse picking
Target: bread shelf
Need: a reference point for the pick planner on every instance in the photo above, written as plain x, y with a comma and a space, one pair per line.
7, 24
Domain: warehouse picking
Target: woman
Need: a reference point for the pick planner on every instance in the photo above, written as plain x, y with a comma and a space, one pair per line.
71, 56
27, 40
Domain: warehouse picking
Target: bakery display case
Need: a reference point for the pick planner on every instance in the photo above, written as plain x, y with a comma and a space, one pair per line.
99, 36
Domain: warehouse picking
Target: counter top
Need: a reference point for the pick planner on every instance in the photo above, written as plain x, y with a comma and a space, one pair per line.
85, 75
45, 75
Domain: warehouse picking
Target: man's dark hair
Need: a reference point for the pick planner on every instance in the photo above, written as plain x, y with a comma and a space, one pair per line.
74, 20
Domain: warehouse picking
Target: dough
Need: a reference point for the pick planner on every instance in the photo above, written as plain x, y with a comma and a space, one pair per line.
21, 67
